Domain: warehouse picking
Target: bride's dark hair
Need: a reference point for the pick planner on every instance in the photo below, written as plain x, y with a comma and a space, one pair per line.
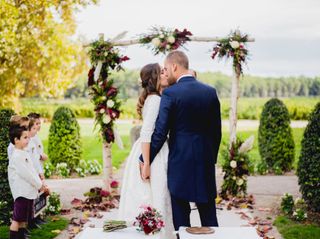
150, 82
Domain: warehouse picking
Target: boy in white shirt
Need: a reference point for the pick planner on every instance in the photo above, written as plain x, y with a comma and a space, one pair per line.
16, 120
24, 181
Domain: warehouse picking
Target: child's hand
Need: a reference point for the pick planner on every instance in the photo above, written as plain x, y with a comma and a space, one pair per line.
44, 157
42, 177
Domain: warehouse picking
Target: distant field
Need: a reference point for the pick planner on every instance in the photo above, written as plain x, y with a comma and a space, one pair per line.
248, 108
92, 146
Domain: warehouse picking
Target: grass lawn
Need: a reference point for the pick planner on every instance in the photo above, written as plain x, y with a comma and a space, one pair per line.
92, 145
45, 232
293, 230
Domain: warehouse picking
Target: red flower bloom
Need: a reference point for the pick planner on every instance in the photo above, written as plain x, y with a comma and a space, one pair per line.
113, 113
91, 77
104, 193
147, 230
124, 58
109, 136
112, 92
114, 184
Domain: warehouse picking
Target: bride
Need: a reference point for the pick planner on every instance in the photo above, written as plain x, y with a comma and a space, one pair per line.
147, 184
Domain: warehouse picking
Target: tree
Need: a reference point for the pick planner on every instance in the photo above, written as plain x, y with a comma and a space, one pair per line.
309, 162
276, 144
37, 55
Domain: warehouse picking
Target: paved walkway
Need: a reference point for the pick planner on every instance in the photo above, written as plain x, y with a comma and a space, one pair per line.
267, 191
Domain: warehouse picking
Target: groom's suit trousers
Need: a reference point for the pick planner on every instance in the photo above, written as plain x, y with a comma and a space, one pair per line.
181, 213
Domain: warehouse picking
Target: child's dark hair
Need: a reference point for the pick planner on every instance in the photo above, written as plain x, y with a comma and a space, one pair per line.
16, 132
34, 115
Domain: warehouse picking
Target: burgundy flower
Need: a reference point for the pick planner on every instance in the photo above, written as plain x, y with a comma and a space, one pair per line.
113, 113
91, 77
109, 136
104, 193
112, 92
114, 184
147, 230
124, 58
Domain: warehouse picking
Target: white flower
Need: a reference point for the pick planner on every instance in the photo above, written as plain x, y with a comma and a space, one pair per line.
233, 164
106, 119
234, 44
295, 213
103, 98
171, 39
102, 110
247, 145
240, 181
234, 178
161, 36
110, 103
245, 177
156, 42
106, 53
168, 47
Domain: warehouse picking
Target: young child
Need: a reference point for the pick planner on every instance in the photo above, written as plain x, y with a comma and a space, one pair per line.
24, 181
36, 139
32, 149
16, 120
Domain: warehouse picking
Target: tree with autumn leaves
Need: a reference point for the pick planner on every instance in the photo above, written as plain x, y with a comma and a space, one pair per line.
37, 54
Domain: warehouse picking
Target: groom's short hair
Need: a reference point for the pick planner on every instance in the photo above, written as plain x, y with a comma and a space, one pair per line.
179, 58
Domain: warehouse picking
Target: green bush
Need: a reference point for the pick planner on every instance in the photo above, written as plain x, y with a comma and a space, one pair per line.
309, 162
276, 144
64, 143
6, 197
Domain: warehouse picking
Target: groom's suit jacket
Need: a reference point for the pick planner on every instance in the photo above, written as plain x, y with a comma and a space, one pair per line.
190, 112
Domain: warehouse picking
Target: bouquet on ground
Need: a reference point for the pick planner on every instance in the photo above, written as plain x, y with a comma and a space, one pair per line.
113, 225
149, 220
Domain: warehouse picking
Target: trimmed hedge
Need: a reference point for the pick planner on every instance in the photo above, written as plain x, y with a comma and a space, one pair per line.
6, 197
309, 162
64, 143
276, 144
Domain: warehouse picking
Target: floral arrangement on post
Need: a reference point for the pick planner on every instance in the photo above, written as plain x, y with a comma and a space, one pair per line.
149, 220
165, 40
104, 58
233, 46
236, 168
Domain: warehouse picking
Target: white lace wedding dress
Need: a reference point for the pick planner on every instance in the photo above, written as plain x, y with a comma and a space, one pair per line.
134, 191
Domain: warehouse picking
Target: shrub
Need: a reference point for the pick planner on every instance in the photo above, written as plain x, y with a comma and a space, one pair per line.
48, 169
63, 170
276, 145
6, 197
64, 138
94, 167
54, 204
309, 162
287, 204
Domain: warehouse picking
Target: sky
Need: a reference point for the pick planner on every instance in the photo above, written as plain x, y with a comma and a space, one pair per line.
286, 32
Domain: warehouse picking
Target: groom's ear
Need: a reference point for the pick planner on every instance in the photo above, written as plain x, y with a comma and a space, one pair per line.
174, 67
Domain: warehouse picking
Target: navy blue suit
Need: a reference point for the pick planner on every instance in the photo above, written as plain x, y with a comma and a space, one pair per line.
190, 113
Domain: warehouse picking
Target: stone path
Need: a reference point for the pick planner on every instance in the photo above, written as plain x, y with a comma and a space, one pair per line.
267, 191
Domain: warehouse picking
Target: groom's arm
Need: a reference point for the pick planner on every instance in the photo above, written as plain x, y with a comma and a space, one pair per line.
162, 126
216, 123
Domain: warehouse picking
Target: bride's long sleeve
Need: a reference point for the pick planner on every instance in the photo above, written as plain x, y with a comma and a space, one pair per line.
150, 114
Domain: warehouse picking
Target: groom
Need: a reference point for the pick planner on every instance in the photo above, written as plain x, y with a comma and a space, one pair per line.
190, 111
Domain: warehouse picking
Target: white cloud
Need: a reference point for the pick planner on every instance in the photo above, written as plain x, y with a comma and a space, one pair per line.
287, 32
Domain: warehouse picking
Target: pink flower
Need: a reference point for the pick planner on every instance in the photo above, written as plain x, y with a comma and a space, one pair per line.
104, 193
114, 184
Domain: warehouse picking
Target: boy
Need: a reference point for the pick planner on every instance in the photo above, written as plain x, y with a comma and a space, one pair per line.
24, 181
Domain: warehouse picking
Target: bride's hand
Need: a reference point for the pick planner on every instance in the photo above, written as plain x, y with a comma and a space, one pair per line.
145, 174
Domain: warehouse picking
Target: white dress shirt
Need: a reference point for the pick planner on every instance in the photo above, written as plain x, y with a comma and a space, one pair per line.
35, 156
187, 75
24, 181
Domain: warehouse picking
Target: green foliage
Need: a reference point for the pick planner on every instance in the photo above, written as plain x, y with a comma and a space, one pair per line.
54, 204
287, 204
94, 167
276, 144
64, 138
63, 170
48, 169
309, 162
6, 197
290, 229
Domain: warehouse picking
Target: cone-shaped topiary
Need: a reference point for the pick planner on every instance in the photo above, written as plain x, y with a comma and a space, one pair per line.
276, 144
309, 162
6, 200
64, 138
